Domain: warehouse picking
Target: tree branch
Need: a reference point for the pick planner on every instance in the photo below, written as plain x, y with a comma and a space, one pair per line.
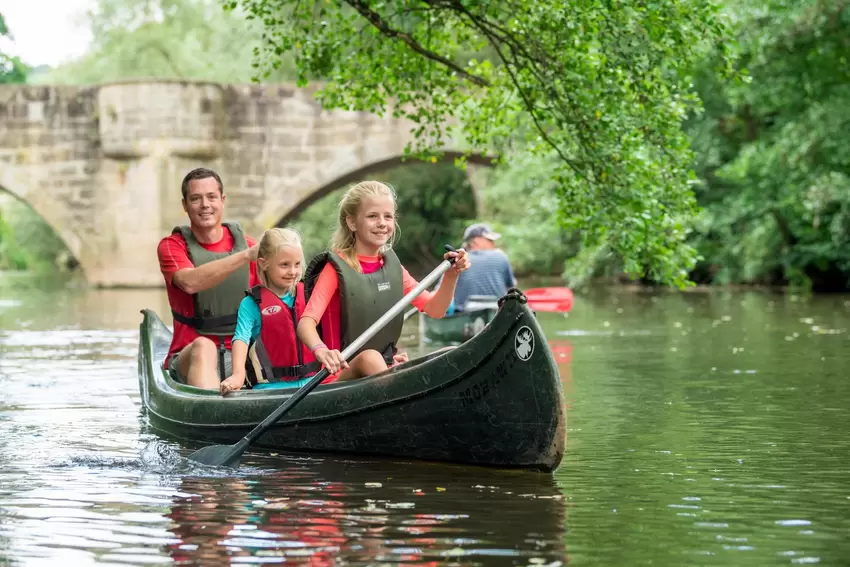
375, 19
495, 41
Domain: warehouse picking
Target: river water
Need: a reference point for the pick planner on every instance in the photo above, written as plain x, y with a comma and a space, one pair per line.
704, 429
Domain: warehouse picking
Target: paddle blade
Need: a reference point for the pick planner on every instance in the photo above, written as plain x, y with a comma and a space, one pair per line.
550, 299
217, 455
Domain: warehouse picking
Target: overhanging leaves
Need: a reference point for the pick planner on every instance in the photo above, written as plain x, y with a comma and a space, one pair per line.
601, 86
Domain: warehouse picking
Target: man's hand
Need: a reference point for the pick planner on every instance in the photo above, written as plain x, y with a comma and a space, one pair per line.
252, 252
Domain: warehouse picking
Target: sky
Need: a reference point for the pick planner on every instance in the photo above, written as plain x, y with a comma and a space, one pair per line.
46, 32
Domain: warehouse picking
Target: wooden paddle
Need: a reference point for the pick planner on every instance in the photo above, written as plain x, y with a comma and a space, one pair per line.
228, 455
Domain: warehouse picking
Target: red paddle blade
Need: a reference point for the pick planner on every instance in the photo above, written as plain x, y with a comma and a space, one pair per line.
550, 299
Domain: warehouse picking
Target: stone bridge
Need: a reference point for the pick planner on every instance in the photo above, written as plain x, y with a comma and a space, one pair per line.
102, 164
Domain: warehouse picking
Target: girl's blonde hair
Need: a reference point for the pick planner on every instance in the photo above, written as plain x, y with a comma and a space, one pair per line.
272, 241
343, 239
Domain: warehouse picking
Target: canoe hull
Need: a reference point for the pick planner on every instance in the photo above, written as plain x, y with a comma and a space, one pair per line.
491, 401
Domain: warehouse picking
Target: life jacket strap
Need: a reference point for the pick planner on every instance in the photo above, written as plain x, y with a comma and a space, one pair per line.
279, 373
286, 373
221, 368
203, 323
388, 354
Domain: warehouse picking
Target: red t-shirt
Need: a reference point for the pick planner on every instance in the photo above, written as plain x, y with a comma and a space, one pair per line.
173, 256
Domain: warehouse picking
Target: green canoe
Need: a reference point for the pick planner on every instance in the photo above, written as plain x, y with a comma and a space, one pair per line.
462, 326
496, 401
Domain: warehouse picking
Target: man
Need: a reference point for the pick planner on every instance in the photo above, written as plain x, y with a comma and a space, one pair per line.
490, 272
207, 267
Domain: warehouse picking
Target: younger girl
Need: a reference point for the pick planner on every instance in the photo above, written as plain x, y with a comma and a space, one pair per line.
359, 280
267, 319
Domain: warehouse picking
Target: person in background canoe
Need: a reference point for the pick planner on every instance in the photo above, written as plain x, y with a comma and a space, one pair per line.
265, 328
491, 272
360, 279
207, 266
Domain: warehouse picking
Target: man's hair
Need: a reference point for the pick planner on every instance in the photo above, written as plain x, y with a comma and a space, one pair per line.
200, 173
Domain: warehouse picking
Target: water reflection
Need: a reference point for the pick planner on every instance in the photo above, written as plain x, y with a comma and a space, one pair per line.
328, 512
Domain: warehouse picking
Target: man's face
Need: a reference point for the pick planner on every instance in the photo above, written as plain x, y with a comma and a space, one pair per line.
204, 203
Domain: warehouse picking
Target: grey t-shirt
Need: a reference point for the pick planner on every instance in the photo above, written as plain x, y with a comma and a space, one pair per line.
489, 274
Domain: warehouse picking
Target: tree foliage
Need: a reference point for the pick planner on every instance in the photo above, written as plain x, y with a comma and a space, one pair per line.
772, 153
12, 69
600, 87
26, 241
181, 39
518, 201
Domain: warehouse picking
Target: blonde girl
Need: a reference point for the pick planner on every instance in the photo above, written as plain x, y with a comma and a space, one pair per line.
363, 274
268, 316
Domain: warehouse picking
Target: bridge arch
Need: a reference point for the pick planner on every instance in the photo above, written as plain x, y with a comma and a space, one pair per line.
101, 163
285, 212
11, 184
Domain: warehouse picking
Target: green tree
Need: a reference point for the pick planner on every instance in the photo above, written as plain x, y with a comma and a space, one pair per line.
27, 242
597, 88
520, 199
12, 69
181, 39
12, 256
772, 153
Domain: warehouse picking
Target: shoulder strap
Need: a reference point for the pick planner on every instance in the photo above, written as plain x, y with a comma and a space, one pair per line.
311, 274
300, 302
239, 242
255, 293
391, 260
184, 231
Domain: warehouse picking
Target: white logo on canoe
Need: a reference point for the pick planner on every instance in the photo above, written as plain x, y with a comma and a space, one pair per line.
271, 310
524, 343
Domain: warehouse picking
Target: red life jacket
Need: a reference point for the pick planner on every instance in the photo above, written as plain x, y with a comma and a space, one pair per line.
277, 354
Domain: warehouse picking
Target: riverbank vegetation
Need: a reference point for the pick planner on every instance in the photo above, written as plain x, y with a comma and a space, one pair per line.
693, 141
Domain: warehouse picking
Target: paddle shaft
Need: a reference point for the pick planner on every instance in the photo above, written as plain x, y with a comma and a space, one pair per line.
347, 352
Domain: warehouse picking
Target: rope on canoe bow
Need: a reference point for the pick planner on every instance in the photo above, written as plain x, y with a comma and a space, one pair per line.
513, 293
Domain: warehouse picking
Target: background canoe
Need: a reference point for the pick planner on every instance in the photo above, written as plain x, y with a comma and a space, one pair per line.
456, 328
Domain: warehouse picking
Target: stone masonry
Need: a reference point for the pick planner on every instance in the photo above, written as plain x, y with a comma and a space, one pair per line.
103, 164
